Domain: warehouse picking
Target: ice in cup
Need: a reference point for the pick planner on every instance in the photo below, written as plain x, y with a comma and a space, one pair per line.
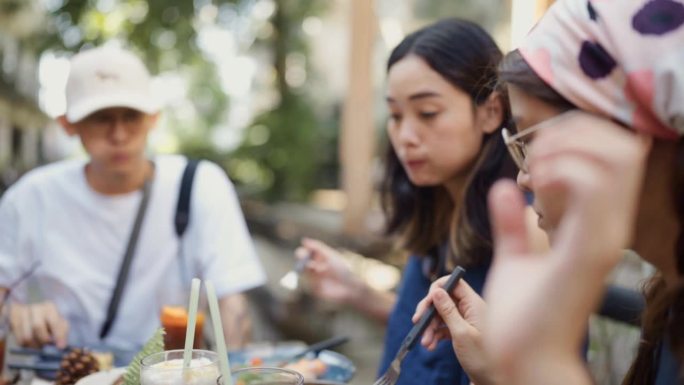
166, 368
174, 320
265, 376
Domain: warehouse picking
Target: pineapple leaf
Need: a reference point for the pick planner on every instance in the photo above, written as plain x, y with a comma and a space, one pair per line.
153, 345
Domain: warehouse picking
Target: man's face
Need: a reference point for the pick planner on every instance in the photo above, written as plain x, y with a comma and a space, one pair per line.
115, 138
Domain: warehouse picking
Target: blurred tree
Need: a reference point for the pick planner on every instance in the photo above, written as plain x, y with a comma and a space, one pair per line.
21, 119
487, 13
155, 28
296, 142
165, 34
162, 32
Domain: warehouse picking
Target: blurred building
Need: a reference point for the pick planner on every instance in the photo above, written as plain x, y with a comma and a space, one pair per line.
22, 123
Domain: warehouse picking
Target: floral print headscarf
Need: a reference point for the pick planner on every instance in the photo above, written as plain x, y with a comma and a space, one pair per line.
619, 58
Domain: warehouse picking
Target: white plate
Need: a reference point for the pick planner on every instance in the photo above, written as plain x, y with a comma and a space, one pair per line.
106, 377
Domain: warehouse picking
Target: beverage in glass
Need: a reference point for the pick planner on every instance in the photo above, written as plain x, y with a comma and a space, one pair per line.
174, 320
265, 376
166, 368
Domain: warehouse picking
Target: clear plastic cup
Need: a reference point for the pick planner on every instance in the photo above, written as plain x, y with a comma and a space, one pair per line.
166, 368
265, 376
174, 320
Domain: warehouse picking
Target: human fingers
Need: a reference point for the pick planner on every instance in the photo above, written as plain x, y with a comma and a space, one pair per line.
57, 325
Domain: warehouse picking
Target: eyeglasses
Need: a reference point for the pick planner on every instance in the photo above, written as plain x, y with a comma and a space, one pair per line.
102, 123
517, 143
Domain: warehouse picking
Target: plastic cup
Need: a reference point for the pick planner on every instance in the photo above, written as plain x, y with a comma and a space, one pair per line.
166, 368
265, 376
174, 320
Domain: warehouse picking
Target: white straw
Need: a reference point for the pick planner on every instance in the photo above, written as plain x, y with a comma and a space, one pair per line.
218, 334
192, 318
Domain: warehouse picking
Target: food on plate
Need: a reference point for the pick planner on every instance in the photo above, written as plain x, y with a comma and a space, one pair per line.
104, 359
76, 364
256, 361
311, 369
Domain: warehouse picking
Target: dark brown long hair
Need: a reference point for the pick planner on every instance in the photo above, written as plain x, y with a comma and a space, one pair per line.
664, 314
467, 57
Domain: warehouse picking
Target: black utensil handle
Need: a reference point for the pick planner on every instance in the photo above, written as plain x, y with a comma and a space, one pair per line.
419, 328
325, 345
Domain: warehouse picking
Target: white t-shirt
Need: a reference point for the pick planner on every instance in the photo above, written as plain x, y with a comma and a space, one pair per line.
53, 219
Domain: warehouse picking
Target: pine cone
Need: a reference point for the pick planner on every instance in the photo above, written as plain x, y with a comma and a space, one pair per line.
76, 364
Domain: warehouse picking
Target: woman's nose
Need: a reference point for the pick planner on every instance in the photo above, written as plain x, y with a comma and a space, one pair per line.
408, 133
523, 181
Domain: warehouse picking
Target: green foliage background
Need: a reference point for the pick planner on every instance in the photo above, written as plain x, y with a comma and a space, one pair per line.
286, 151
164, 33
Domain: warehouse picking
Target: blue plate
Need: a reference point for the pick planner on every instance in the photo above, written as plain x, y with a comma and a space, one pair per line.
45, 362
340, 368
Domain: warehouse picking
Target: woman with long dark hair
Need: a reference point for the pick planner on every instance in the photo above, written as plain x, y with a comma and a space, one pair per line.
445, 153
588, 77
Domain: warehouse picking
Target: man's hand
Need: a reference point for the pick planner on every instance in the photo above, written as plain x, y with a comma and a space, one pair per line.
38, 324
237, 323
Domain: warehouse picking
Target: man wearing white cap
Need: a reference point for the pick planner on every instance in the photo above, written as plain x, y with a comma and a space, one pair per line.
72, 225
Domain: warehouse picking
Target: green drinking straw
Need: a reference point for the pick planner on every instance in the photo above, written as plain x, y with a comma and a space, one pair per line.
192, 319
218, 334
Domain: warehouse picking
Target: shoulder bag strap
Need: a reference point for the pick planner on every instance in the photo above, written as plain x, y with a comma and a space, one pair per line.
182, 218
126, 264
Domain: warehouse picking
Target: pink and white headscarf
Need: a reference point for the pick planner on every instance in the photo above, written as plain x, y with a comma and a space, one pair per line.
618, 58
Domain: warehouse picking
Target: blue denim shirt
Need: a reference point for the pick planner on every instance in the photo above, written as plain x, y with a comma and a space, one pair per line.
668, 368
439, 367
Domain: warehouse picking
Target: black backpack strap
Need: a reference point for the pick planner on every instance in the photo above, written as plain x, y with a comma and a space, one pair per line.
182, 218
623, 305
125, 268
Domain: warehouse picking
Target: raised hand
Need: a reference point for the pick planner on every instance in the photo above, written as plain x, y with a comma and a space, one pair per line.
539, 302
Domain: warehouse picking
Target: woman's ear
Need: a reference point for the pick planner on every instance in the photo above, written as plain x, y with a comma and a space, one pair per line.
69, 128
490, 114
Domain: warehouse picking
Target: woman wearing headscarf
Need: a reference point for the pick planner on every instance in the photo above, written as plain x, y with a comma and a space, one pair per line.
597, 91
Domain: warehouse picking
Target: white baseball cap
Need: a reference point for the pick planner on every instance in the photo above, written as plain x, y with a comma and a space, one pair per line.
107, 77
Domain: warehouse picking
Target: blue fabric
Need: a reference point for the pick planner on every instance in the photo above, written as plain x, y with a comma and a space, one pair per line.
421, 366
668, 368
529, 197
